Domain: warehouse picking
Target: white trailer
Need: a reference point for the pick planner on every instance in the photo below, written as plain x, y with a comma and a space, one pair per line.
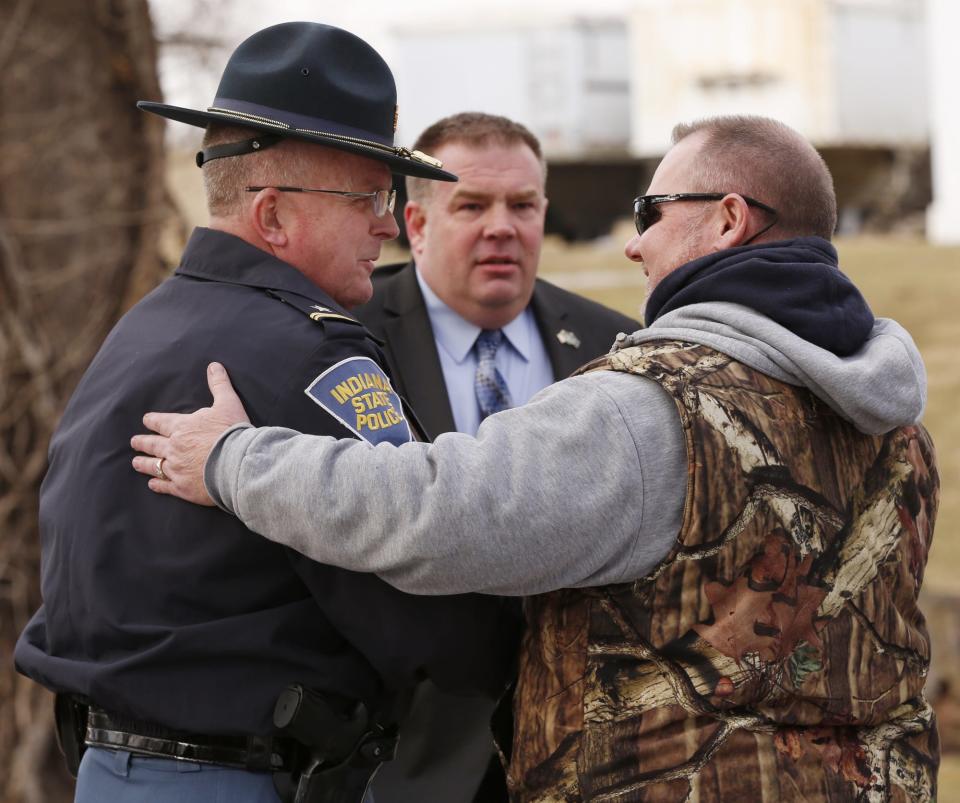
567, 80
843, 72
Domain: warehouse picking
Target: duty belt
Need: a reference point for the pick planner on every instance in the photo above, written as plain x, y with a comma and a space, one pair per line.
258, 753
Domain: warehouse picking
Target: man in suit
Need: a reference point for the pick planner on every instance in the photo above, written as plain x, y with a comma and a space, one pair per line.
470, 330
476, 250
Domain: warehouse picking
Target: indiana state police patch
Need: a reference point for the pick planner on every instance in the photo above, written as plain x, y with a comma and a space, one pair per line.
358, 393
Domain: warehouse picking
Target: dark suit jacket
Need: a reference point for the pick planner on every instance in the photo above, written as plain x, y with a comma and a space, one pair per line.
397, 314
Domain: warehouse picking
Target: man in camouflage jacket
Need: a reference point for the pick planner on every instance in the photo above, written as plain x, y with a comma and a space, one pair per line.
721, 527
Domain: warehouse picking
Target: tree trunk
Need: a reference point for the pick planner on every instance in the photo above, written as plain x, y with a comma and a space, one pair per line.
82, 204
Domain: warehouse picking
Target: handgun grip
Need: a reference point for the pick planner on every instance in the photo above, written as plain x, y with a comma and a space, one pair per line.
308, 717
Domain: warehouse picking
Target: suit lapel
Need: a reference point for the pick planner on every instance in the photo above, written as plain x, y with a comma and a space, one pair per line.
412, 351
551, 315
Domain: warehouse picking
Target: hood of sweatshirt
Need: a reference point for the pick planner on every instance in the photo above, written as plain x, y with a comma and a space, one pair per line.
878, 387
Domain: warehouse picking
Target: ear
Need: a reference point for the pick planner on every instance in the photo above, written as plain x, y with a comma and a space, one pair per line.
415, 218
266, 215
734, 222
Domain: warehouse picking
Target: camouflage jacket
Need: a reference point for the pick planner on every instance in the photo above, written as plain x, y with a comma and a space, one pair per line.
777, 653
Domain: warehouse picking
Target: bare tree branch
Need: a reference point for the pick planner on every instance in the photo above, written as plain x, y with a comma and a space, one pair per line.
82, 208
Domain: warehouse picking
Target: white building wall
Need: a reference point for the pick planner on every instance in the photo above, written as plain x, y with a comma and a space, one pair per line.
553, 67
696, 58
605, 121
439, 74
880, 72
567, 81
839, 71
943, 217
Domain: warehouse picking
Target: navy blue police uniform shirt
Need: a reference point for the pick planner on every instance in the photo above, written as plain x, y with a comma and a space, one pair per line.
176, 614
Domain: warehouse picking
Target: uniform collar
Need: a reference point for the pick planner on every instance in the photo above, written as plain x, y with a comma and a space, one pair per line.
222, 257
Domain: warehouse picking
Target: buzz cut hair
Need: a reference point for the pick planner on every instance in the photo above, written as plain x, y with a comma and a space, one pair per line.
226, 179
476, 129
770, 162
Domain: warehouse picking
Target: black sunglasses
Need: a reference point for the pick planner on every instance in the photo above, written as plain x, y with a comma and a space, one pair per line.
646, 210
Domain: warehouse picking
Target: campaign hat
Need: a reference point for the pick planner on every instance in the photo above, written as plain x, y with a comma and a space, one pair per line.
311, 82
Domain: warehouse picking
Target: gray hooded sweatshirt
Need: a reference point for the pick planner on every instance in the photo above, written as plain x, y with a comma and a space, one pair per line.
582, 486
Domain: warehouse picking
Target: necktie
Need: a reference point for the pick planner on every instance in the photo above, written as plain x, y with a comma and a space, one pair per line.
492, 393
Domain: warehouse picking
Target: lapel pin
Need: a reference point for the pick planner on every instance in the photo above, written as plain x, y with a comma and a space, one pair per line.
568, 338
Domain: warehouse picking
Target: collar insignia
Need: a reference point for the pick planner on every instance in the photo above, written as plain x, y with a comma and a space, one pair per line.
325, 313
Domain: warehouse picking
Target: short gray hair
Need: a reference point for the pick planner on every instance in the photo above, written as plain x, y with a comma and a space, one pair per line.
770, 162
225, 180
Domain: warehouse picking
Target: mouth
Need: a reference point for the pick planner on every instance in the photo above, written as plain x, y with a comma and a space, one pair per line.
496, 262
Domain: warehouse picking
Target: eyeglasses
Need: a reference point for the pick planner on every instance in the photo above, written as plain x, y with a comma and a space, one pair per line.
383, 200
646, 211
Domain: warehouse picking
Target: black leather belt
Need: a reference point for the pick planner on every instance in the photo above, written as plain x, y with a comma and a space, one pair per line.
258, 753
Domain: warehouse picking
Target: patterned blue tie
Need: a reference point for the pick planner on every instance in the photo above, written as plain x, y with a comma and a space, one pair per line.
491, 390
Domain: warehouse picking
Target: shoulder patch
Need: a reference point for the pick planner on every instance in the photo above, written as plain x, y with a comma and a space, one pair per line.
358, 393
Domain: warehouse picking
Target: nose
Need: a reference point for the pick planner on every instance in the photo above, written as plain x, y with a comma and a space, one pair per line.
632, 249
385, 227
499, 224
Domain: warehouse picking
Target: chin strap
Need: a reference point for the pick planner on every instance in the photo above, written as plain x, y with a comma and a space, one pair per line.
237, 148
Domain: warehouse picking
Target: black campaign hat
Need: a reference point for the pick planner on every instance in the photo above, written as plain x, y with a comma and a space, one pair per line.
310, 82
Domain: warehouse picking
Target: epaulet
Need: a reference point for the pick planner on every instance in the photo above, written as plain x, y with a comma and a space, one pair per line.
314, 311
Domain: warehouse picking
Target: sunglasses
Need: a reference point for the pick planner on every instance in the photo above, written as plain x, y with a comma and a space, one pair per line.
646, 208
383, 200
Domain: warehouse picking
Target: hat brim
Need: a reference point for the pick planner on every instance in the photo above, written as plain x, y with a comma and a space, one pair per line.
398, 163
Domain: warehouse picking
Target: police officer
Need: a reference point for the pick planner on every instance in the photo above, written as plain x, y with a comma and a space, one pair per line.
170, 650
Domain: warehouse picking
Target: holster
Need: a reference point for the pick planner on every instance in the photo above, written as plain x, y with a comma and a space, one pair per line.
70, 715
343, 751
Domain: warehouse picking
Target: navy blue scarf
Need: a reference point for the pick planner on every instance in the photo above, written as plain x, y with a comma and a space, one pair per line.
795, 283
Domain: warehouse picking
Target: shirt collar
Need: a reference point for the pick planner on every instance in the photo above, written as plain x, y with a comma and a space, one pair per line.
520, 332
457, 335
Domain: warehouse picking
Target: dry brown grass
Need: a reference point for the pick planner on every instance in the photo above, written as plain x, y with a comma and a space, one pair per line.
948, 780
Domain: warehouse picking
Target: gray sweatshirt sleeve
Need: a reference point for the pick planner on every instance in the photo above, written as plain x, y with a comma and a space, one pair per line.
582, 486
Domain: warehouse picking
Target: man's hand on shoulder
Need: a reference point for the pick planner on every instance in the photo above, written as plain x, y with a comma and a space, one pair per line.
177, 454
